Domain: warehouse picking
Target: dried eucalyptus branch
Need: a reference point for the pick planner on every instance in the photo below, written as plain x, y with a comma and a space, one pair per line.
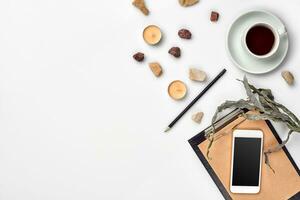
266, 108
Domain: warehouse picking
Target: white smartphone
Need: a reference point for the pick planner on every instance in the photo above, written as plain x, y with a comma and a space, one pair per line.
246, 161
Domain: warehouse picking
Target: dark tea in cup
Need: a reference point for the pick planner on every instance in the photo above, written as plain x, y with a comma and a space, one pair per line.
260, 39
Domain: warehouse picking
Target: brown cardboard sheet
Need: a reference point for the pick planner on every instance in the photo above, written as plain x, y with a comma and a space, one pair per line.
282, 185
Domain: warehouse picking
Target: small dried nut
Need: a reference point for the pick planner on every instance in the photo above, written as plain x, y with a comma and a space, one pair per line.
155, 68
197, 117
186, 3
288, 77
214, 16
139, 56
197, 75
175, 51
185, 34
140, 4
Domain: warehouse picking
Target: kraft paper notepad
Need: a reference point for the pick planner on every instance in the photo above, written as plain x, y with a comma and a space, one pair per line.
284, 184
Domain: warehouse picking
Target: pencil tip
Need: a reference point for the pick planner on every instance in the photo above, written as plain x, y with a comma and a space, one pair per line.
167, 129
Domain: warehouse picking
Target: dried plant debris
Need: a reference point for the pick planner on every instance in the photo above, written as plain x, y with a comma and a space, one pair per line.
262, 102
155, 68
175, 51
197, 75
197, 117
184, 34
141, 5
214, 16
186, 3
288, 77
139, 56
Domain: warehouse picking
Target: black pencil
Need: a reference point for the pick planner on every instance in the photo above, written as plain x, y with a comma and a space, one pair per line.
196, 99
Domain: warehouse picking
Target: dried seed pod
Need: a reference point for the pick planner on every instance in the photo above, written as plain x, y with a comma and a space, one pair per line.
184, 34
288, 77
139, 56
175, 51
140, 4
186, 3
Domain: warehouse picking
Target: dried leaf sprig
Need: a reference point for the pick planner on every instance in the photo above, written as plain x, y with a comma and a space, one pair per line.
266, 108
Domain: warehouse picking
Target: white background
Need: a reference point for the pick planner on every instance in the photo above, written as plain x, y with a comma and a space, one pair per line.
80, 119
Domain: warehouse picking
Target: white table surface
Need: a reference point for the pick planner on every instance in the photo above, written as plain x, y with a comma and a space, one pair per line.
80, 119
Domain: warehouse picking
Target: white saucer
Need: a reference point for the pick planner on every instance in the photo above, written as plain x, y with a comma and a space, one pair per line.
241, 57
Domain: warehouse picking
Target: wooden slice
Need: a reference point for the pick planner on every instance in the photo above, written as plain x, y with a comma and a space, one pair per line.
177, 90
152, 35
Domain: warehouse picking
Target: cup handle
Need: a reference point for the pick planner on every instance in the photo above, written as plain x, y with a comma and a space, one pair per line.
282, 31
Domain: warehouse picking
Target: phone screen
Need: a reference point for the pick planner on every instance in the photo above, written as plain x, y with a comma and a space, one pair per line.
246, 161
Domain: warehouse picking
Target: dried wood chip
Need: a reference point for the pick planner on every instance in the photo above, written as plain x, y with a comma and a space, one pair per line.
288, 77
186, 3
197, 117
197, 75
140, 4
155, 68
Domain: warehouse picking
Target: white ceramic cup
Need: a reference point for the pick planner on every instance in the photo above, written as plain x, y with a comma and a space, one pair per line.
278, 33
